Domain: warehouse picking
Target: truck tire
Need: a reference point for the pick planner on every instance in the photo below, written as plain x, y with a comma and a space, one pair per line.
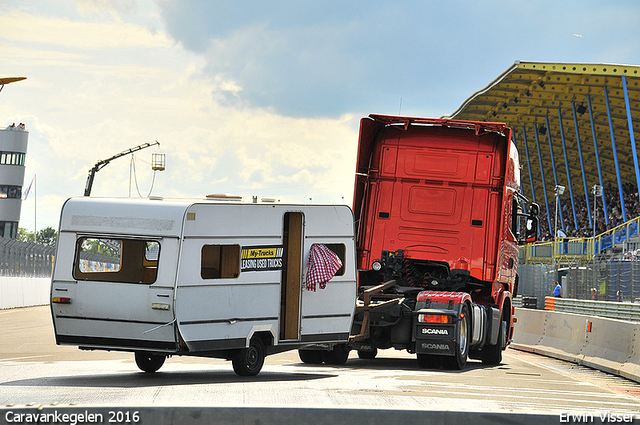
429, 361
149, 362
492, 354
337, 356
310, 356
368, 355
459, 360
249, 361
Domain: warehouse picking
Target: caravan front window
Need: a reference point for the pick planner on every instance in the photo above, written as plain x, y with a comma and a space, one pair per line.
117, 260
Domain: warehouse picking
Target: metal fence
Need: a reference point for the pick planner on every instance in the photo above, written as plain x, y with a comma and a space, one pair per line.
613, 280
609, 309
25, 259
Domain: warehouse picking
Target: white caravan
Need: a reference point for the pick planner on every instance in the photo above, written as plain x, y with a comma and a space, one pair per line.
212, 279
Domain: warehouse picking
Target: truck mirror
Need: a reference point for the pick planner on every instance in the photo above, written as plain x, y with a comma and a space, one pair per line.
531, 232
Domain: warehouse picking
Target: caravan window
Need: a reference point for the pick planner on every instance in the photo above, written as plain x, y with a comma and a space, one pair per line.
340, 249
220, 262
117, 260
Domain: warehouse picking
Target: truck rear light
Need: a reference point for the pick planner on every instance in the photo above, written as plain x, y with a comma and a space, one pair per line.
435, 318
61, 300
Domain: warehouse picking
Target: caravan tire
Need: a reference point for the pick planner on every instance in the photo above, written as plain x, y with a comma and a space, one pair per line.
149, 362
249, 361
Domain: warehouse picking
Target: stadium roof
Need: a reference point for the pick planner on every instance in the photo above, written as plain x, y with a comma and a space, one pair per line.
556, 110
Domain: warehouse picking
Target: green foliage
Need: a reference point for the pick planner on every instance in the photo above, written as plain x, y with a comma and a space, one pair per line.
106, 247
47, 236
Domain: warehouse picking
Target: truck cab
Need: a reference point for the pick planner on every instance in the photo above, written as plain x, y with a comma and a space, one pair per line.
439, 215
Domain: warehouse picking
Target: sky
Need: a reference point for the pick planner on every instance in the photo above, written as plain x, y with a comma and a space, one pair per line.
258, 98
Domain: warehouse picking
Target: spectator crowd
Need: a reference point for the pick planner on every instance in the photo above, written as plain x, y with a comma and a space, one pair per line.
583, 228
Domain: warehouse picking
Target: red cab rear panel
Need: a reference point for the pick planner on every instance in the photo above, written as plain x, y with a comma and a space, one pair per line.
440, 190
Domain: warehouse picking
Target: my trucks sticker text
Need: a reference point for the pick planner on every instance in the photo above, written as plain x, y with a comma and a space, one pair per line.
259, 258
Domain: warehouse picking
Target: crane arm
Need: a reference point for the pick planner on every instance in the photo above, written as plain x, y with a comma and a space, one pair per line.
102, 163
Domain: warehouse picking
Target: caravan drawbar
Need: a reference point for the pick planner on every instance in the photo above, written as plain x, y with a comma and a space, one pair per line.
215, 279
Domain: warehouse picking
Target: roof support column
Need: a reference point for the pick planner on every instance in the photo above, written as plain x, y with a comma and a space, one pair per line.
566, 164
526, 150
631, 136
544, 185
513, 139
595, 147
553, 164
584, 177
615, 154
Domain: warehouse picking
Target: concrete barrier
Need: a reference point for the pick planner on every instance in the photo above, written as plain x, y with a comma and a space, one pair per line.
609, 345
24, 291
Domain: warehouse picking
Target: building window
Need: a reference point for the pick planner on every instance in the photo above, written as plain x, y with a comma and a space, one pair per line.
220, 262
9, 229
12, 192
12, 158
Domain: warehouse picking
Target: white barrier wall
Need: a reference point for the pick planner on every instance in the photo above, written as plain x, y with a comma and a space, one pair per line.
24, 291
609, 345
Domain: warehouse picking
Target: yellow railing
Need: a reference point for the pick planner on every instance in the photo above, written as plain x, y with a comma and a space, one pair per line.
579, 248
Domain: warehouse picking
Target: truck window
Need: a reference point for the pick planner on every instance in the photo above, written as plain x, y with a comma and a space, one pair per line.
117, 260
515, 218
220, 262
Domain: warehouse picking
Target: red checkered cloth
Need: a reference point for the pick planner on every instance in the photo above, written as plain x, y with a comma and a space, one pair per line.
323, 265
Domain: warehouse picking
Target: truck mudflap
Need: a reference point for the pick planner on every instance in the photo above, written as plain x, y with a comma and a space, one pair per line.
438, 320
436, 332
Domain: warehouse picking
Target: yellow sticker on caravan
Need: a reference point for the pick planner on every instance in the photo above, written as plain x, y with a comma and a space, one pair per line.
258, 258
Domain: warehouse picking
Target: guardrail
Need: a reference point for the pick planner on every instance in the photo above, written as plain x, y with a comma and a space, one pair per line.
612, 310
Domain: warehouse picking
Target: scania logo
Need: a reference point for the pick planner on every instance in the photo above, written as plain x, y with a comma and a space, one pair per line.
431, 331
436, 346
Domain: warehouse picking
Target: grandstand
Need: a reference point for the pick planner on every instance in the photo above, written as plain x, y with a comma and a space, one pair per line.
574, 126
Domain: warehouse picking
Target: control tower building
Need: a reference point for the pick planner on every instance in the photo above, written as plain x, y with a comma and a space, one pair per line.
13, 149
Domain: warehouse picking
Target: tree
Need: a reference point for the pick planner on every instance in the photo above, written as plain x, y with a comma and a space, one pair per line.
47, 236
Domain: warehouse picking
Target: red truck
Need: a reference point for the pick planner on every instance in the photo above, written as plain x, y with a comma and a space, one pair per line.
438, 213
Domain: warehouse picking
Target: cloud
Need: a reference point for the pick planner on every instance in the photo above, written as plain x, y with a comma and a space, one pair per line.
259, 98
94, 36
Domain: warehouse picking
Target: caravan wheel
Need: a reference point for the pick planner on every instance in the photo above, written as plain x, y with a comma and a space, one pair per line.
149, 362
249, 361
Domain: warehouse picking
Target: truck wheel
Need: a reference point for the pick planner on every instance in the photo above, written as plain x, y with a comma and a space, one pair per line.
368, 355
492, 354
249, 361
337, 356
429, 361
149, 362
310, 356
459, 360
